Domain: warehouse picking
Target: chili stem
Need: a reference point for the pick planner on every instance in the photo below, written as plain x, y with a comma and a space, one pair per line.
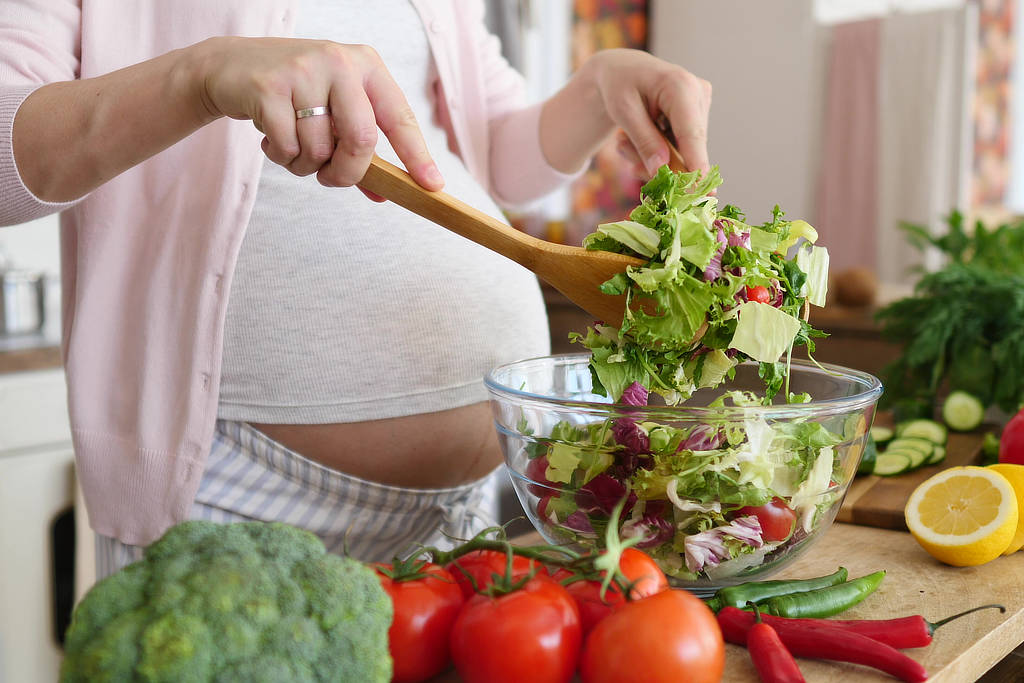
943, 622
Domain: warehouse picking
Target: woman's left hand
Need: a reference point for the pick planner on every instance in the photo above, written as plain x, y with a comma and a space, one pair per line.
631, 90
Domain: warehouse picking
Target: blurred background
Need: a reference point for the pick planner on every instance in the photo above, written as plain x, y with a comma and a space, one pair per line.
855, 115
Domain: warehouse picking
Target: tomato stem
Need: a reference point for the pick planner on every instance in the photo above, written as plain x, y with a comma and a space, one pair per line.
581, 567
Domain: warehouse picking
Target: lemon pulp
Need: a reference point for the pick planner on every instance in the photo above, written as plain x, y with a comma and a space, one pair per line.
964, 516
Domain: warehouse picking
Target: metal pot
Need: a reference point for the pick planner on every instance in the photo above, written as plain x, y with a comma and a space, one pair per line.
22, 299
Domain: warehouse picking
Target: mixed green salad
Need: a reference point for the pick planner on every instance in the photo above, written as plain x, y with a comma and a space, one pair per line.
706, 500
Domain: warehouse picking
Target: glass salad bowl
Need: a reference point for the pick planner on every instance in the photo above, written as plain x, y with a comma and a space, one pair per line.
720, 490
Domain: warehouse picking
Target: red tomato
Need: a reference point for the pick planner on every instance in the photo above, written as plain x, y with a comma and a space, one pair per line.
668, 637
636, 566
775, 516
1011, 443
532, 634
425, 610
759, 294
482, 564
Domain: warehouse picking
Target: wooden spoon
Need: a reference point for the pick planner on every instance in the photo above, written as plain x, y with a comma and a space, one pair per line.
575, 272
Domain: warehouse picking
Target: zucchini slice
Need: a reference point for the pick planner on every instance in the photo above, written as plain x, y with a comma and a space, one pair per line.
962, 411
923, 429
888, 464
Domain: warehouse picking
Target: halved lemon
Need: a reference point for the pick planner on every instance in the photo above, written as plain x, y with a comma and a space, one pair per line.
1015, 475
963, 516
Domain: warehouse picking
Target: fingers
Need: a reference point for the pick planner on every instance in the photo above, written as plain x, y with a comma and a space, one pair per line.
268, 80
630, 113
397, 121
687, 109
628, 152
355, 131
316, 139
277, 121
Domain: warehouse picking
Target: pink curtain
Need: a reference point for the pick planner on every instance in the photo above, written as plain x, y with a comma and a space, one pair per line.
848, 191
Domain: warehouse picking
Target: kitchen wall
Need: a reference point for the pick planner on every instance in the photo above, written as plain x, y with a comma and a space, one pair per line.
34, 245
786, 78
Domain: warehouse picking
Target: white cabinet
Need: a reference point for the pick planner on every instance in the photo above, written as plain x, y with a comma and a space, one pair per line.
36, 486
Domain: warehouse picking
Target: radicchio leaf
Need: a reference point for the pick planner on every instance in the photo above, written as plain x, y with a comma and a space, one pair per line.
635, 395
653, 528
746, 529
702, 438
740, 239
602, 493
578, 521
628, 434
704, 549
714, 267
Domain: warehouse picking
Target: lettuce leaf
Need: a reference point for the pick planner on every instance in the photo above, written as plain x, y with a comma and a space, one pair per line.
636, 236
763, 332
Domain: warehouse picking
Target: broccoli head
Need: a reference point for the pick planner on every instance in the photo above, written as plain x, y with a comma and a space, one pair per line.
250, 601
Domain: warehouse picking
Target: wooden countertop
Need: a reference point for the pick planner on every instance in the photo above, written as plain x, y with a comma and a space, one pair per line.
915, 584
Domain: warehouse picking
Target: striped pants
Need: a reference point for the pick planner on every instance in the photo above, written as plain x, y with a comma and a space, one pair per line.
251, 477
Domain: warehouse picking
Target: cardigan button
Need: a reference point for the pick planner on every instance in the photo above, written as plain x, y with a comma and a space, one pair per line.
436, 26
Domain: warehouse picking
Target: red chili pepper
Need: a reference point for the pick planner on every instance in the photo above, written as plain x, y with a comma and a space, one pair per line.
827, 642
901, 633
772, 660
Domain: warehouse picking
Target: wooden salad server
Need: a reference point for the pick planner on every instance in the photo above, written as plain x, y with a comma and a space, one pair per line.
574, 271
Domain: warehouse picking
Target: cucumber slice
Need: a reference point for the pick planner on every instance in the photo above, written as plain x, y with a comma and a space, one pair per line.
882, 434
923, 429
916, 456
912, 443
962, 411
867, 459
937, 456
888, 464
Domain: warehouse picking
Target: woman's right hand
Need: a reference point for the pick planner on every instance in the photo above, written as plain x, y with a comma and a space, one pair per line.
266, 80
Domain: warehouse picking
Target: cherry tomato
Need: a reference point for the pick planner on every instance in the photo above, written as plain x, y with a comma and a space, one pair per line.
532, 634
776, 518
638, 568
759, 294
482, 564
1011, 443
425, 610
668, 637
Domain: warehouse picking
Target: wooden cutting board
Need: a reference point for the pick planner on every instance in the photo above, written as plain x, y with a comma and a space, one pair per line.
879, 501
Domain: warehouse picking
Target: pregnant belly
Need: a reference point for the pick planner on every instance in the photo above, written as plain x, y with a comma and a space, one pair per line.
432, 450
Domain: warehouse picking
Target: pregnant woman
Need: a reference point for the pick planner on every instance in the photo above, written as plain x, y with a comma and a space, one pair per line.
244, 341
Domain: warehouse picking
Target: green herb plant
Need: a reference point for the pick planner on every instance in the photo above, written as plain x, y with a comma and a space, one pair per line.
963, 328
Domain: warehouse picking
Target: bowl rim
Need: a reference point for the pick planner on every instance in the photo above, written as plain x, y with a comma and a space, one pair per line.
844, 404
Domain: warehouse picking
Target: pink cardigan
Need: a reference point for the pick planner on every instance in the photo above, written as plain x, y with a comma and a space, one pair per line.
148, 257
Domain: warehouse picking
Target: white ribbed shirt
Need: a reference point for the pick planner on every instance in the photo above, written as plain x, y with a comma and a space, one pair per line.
344, 310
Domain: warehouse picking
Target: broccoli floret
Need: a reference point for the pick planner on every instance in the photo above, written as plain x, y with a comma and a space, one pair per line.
233, 602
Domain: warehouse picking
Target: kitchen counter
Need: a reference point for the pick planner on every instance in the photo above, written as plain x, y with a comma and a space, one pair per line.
24, 352
915, 584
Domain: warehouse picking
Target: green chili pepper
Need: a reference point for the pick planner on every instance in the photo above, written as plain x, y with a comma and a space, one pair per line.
824, 602
759, 591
